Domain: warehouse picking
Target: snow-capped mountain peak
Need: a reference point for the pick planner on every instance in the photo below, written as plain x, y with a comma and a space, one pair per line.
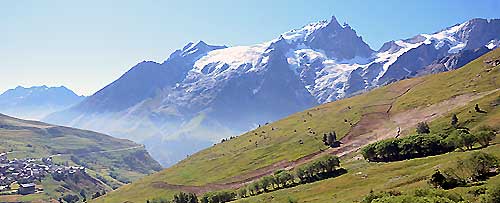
203, 92
302, 34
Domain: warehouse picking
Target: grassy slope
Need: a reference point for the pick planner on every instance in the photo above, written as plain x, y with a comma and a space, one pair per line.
241, 155
99, 153
401, 175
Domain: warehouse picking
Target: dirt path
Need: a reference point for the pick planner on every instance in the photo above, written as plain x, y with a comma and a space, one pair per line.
376, 125
100, 152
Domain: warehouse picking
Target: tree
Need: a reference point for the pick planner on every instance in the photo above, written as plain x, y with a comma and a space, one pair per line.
182, 197
329, 163
368, 152
468, 140
480, 164
479, 110
484, 137
265, 182
423, 128
454, 120
285, 178
242, 192
255, 187
96, 195
332, 139
69, 198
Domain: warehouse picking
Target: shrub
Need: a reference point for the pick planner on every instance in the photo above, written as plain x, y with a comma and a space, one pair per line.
492, 195
423, 128
484, 137
418, 196
475, 167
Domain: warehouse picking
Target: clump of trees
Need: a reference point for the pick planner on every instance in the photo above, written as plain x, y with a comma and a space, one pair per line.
330, 139
280, 179
414, 146
322, 168
477, 166
218, 197
180, 197
426, 144
325, 167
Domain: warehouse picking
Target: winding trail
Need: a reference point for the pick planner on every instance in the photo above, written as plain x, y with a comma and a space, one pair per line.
373, 126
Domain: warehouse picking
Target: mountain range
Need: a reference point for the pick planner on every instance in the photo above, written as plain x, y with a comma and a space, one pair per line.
203, 93
461, 103
37, 102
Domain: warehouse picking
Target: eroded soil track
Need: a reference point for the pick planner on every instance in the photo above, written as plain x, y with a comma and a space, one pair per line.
376, 124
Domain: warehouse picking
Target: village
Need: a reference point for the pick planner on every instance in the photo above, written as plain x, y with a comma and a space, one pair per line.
19, 176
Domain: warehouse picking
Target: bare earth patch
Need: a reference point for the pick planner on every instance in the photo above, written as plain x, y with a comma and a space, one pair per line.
377, 124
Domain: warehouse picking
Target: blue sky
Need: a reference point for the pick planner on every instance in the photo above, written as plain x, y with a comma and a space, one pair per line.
85, 45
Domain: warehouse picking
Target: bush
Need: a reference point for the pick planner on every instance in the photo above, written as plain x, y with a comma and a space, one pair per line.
492, 195
475, 167
418, 196
485, 137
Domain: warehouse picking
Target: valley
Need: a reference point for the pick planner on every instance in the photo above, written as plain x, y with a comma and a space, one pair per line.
107, 162
122, 102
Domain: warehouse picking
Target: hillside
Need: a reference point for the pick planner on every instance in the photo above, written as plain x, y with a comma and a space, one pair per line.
187, 102
359, 120
109, 162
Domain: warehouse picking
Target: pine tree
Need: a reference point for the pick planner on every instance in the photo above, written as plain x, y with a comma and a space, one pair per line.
454, 121
332, 139
423, 128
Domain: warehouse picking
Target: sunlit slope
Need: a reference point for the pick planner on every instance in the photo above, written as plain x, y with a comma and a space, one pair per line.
358, 120
403, 176
98, 152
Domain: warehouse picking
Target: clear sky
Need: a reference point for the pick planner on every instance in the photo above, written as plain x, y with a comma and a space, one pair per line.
85, 45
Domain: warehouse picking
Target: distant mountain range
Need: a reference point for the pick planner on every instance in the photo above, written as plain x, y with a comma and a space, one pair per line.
37, 102
203, 93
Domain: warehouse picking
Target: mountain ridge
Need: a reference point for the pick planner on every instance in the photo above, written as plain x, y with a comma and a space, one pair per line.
37, 102
378, 114
206, 93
